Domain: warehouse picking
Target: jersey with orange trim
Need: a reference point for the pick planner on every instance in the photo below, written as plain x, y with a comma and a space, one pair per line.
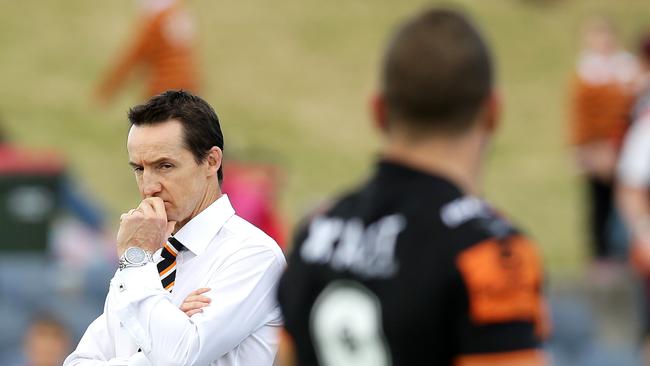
409, 270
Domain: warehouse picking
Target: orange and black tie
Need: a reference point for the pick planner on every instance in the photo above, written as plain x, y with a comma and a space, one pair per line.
167, 267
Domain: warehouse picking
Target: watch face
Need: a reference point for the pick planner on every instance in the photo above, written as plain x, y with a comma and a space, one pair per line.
135, 255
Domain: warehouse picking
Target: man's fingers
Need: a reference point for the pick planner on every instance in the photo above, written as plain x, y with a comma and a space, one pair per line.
158, 206
197, 298
147, 210
171, 225
186, 306
200, 291
204, 299
192, 312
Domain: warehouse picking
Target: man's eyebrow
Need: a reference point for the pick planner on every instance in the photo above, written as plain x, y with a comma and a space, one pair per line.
157, 161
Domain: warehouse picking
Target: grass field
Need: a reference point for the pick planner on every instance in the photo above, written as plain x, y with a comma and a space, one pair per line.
290, 81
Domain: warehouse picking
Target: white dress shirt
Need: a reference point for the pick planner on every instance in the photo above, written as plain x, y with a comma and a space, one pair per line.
238, 262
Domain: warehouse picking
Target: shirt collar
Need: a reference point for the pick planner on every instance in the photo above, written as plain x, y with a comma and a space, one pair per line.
199, 231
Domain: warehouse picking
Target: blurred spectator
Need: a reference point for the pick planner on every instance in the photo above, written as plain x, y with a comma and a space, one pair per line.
252, 189
633, 179
163, 46
575, 341
47, 342
54, 253
602, 93
19, 162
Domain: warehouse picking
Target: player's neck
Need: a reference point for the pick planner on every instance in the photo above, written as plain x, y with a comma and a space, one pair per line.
458, 159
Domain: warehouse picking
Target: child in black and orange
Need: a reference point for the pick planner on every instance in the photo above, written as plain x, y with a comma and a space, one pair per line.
601, 96
163, 48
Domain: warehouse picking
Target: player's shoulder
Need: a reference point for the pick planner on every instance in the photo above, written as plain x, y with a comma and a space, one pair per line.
470, 220
497, 267
500, 270
482, 237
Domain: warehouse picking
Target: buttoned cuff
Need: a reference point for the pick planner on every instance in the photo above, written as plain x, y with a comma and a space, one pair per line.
138, 278
136, 290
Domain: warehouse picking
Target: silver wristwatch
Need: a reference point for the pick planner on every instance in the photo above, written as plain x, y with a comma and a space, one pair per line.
134, 257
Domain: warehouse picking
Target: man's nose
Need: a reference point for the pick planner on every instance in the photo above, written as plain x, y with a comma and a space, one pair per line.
150, 184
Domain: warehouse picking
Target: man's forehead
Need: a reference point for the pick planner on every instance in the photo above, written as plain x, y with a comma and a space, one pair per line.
164, 138
164, 132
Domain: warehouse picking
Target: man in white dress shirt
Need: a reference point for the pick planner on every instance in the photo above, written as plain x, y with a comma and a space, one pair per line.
206, 295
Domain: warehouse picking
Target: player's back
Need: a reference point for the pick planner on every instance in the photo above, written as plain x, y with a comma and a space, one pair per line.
409, 270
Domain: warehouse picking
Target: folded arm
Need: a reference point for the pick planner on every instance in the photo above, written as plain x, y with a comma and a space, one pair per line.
242, 293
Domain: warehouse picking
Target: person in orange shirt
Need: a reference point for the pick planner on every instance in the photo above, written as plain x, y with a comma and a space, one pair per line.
601, 96
164, 47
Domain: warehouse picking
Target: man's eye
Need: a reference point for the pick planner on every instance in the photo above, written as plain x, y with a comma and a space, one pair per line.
137, 169
166, 166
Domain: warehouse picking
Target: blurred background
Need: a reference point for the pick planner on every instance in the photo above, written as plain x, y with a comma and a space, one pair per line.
290, 81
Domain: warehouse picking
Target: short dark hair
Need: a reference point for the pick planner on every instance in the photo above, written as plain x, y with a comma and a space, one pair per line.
201, 128
437, 71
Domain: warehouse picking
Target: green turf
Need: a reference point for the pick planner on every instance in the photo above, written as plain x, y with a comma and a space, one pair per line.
290, 80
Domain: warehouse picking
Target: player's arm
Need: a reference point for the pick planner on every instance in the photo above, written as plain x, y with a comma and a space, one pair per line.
294, 286
515, 358
286, 350
502, 318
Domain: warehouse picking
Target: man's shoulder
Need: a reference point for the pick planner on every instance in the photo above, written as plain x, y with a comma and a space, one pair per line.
250, 237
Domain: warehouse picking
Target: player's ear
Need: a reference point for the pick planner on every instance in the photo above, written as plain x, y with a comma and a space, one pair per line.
492, 111
379, 112
214, 160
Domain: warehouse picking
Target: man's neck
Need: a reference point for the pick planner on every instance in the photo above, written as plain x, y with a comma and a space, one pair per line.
209, 197
458, 159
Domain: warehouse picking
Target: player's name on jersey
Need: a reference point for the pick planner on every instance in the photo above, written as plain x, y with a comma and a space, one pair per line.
347, 245
462, 210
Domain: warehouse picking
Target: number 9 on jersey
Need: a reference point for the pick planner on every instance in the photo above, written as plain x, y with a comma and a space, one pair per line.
347, 327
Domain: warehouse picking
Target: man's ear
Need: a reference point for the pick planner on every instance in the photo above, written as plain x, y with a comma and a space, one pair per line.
214, 160
492, 111
379, 112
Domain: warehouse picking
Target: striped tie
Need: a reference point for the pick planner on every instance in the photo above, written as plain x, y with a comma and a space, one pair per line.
167, 267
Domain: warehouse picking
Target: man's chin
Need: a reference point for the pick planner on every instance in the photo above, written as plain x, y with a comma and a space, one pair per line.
172, 216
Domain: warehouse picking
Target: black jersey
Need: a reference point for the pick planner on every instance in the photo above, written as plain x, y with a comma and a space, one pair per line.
408, 270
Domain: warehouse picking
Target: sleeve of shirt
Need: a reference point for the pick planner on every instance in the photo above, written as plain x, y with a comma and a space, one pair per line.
95, 349
502, 314
242, 293
634, 164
